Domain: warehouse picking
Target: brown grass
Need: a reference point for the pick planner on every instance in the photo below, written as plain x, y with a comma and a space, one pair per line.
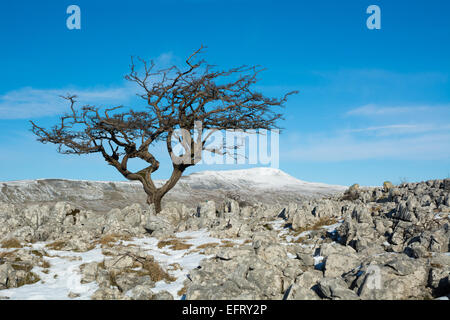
182, 291
21, 266
174, 244
45, 264
9, 254
208, 245
300, 239
148, 267
110, 239
37, 253
11, 243
56, 245
325, 221
175, 266
89, 248
375, 209
227, 244
29, 279
155, 271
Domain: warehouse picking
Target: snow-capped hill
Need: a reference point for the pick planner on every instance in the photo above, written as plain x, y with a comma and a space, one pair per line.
261, 178
261, 184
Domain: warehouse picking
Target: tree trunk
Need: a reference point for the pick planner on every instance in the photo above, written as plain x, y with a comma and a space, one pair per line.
154, 196
155, 199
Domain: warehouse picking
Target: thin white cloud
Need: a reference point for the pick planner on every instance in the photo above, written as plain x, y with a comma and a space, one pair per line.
388, 127
386, 130
29, 102
376, 110
433, 146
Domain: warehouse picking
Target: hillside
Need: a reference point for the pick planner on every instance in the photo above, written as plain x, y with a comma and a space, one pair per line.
266, 185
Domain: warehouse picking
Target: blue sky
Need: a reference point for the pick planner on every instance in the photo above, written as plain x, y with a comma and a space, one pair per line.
374, 105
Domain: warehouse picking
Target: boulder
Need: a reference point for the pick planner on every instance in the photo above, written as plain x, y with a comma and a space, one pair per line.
207, 210
336, 289
337, 264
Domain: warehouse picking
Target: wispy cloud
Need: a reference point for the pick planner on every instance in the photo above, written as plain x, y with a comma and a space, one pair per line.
377, 133
347, 147
388, 127
377, 110
386, 130
401, 119
29, 102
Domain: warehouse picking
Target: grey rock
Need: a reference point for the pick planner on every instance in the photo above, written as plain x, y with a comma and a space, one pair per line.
207, 210
108, 294
337, 264
305, 259
7, 276
297, 292
142, 292
446, 184
336, 289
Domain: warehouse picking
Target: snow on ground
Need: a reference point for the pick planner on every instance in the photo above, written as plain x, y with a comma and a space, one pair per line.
63, 276
187, 259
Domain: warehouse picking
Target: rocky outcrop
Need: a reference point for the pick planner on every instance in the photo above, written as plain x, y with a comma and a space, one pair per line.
390, 242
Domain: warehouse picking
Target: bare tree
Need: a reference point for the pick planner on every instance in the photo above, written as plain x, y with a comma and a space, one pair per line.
175, 99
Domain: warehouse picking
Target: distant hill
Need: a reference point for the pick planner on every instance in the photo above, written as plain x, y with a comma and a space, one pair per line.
258, 184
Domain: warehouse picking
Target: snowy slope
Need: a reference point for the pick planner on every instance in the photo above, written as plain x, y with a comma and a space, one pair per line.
261, 178
261, 184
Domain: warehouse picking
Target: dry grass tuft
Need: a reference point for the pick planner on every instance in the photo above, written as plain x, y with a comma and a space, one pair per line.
110, 239
300, 239
227, 244
45, 264
175, 266
29, 279
56, 245
208, 245
38, 253
325, 221
11, 243
182, 291
174, 244
376, 209
7, 255
146, 267
156, 272
21, 266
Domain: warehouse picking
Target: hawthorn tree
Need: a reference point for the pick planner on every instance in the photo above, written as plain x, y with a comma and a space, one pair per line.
175, 99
